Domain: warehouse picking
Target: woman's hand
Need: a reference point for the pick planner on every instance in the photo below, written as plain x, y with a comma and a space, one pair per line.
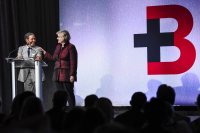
72, 79
41, 49
38, 58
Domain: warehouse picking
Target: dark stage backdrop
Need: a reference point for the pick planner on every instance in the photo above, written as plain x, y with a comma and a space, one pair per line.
18, 17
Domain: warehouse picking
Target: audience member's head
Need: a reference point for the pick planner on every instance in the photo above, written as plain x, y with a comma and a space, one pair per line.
18, 102
60, 98
73, 119
166, 93
90, 100
31, 107
158, 111
92, 119
138, 100
105, 105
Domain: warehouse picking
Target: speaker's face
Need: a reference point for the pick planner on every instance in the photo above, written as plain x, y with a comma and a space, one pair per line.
61, 38
31, 40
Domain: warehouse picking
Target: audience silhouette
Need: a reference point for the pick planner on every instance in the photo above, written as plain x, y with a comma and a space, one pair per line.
58, 112
73, 120
195, 125
105, 105
167, 93
134, 118
17, 104
90, 100
97, 116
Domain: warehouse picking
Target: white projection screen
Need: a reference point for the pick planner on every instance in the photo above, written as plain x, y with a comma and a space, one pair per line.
116, 56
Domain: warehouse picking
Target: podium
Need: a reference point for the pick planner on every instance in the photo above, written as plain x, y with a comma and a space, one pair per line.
30, 63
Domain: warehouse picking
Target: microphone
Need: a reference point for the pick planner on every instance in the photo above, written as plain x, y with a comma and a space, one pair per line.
12, 52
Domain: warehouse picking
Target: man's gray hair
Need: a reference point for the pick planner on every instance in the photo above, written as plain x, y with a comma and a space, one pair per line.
26, 36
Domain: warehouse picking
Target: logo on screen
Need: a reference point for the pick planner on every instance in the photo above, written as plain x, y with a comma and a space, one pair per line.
154, 39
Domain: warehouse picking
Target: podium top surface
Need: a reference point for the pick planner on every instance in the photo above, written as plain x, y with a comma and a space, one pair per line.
13, 59
21, 63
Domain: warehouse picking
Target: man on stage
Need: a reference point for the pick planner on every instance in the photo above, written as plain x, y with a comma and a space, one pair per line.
27, 52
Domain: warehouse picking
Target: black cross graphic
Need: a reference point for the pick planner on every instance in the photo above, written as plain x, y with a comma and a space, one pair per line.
153, 40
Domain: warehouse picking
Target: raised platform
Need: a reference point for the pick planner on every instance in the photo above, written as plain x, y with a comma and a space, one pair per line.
191, 111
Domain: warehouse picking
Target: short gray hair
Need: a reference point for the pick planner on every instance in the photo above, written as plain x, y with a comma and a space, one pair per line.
26, 36
65, 34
